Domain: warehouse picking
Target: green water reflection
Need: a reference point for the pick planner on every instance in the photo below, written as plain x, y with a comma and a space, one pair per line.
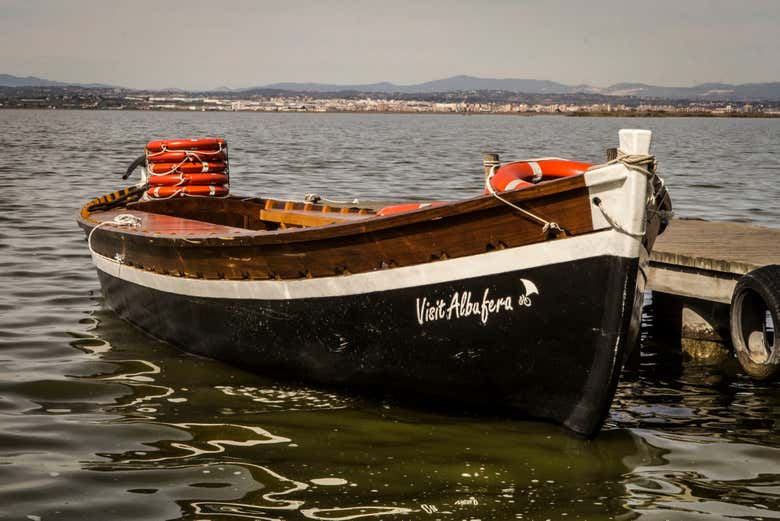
158, 434
98, 422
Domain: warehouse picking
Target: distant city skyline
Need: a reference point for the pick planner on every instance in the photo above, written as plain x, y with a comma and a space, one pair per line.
245, 43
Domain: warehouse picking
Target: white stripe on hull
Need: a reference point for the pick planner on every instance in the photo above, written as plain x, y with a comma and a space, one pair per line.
608, 242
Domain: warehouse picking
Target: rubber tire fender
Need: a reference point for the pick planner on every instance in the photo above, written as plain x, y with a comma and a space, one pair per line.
754, 293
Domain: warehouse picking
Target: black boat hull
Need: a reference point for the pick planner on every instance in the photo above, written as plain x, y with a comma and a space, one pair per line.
545, 341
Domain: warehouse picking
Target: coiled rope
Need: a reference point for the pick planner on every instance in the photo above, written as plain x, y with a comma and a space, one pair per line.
123, 219
316, 198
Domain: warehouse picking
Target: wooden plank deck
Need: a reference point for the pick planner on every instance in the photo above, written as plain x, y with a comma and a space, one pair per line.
704, 259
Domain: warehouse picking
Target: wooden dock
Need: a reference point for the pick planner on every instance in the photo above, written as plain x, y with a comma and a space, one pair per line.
704, 259
694, 269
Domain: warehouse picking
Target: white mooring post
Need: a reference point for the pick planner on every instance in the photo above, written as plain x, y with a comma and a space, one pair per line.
635, 141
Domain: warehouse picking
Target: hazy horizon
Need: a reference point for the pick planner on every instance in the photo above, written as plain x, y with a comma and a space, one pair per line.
244, 43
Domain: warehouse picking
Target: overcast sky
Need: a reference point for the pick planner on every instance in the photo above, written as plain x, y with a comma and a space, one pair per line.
242, 43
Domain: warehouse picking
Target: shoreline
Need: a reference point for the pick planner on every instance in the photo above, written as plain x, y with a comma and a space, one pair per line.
578, 114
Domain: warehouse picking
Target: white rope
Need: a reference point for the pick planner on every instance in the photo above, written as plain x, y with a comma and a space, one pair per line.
171, 171
547, 226
203, 165
188, 155
181, 182
614, 222
316, 198
161, 198
162, 151
188, 152
123, 219
644, 164
181, 192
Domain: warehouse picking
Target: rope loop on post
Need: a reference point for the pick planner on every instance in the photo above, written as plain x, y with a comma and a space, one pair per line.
646, 165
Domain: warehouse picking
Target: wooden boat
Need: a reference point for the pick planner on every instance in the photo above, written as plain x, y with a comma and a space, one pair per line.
527, 300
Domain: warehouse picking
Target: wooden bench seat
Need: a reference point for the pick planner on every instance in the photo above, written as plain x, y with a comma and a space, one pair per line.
309, 217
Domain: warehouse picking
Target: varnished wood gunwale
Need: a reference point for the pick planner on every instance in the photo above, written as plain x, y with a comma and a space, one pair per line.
526, 198
455, 230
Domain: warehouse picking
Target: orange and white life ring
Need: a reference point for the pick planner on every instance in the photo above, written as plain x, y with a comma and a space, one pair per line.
162, 145
188, 179
399, 208
186, 168
521, 174
186, 155
184, 191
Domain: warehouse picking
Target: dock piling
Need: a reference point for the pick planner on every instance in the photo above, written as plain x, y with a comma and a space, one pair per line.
694, 270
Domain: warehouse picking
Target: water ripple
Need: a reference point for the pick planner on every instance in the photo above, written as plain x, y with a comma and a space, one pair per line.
99, 421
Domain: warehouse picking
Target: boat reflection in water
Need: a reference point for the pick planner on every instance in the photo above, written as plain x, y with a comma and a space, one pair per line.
281, 452
187, 437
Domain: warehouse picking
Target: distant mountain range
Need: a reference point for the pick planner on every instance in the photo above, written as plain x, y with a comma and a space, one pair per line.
9, 80
714, 91
745, 92
455, 83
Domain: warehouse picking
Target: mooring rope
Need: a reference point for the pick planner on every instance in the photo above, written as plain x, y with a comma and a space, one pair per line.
634, 162
646, 165
614, 222
547, 226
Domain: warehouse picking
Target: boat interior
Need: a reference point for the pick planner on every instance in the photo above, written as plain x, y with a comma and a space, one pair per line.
211, 215
236, 215
253, 213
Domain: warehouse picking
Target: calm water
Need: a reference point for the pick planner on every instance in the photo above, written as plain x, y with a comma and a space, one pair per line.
98, 421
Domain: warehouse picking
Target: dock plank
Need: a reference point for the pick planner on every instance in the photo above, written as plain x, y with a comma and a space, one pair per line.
731, 248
